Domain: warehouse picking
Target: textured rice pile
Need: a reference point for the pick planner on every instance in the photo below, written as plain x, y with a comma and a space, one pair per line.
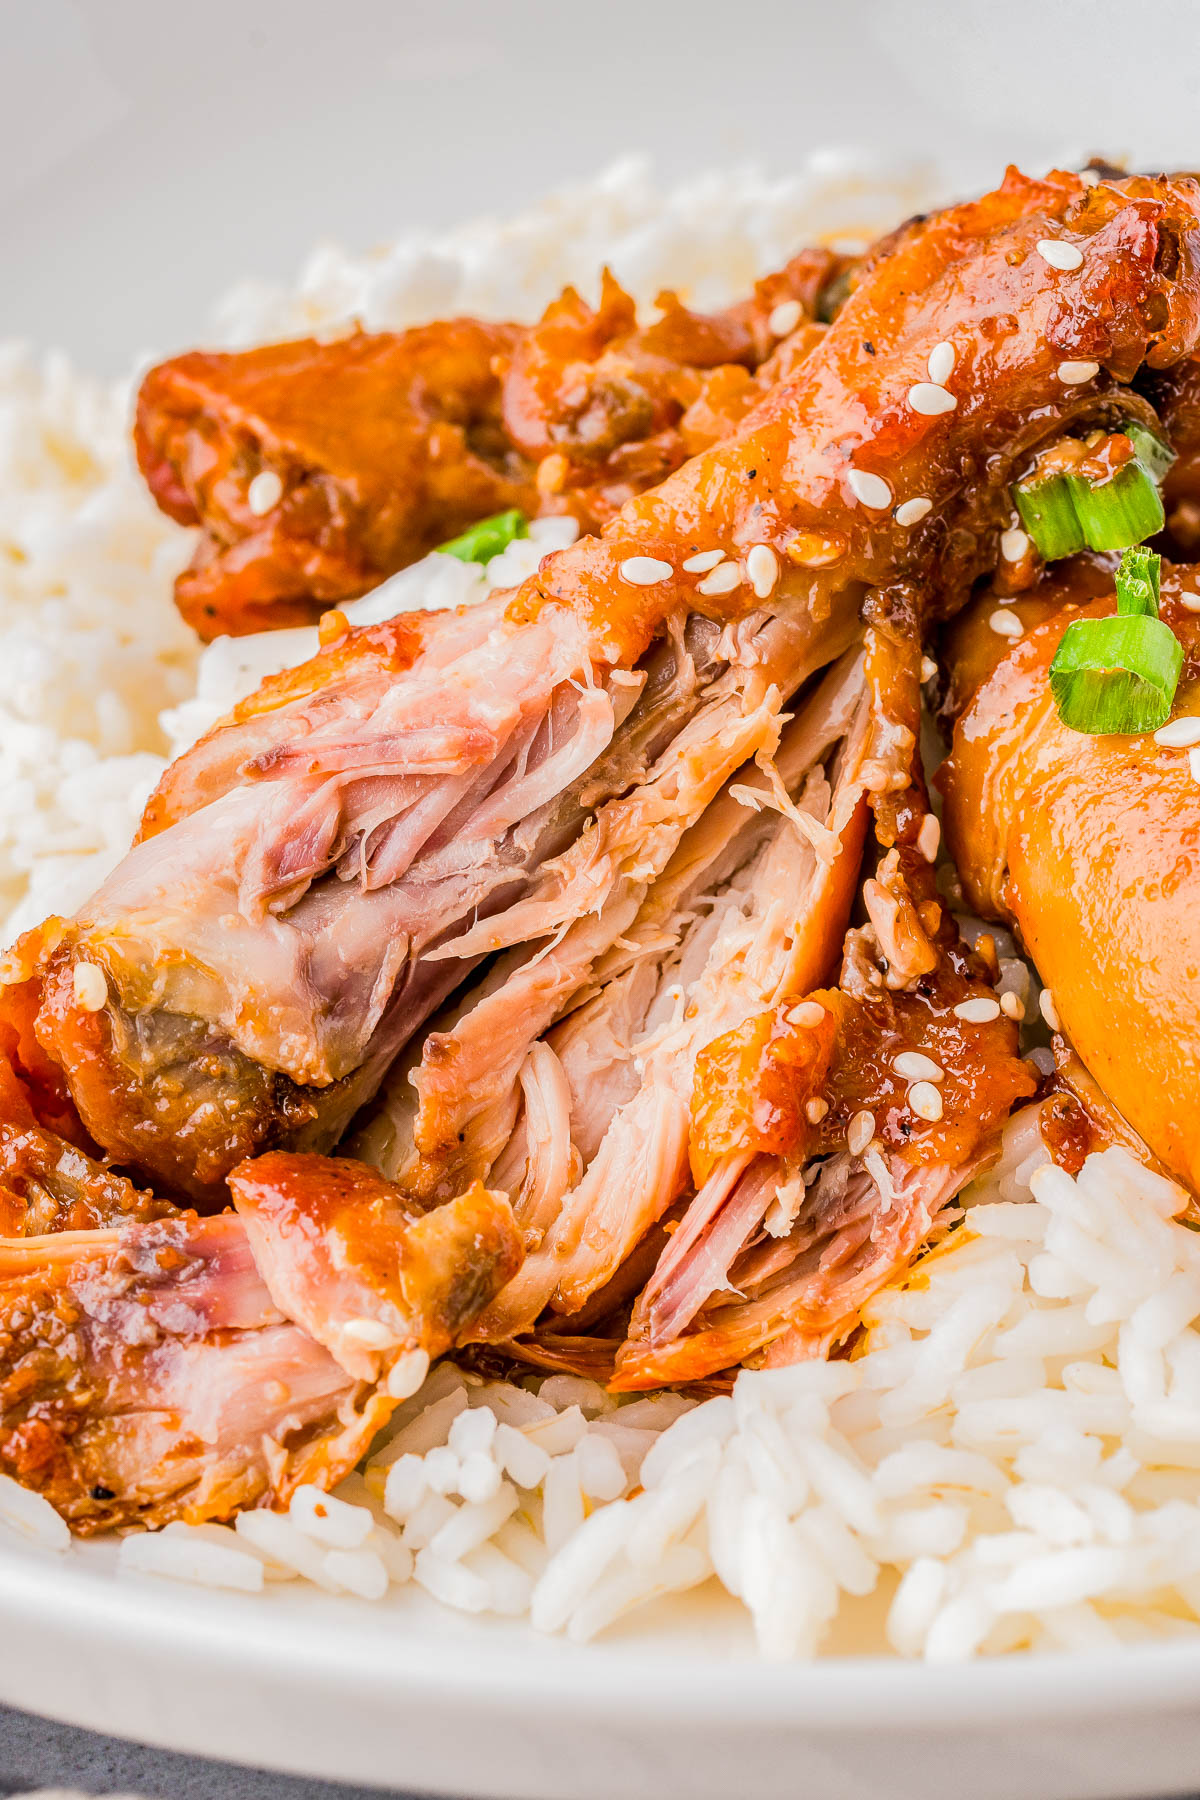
90, 647
1012, 1458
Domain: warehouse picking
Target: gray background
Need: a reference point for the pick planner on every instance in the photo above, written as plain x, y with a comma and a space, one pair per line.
34, 1753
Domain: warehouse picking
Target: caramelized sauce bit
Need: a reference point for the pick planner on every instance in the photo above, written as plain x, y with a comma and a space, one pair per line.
1097, 458
754, 1085
1068, 1130
983, 1075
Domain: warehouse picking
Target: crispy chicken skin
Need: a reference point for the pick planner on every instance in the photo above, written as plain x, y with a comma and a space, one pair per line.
384, 445
357, 843
186, 1367
1090, 846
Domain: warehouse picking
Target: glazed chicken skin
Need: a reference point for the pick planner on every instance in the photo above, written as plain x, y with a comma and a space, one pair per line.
186, 1367
379, 447
319, 874
319, 468
1089, 846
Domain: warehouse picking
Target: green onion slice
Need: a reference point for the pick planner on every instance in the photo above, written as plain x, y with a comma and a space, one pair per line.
1119, 675
1153, 452
479, 543
1119, 512
1047, 511
1138, 583
1064, 513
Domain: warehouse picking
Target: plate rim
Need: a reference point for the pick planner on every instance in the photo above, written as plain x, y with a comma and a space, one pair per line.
238, 1636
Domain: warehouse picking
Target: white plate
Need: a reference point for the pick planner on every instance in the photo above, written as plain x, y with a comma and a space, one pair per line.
142, 169
406, 1694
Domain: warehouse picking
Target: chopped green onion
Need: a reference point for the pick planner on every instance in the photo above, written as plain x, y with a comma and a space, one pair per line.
1138, 583
1119, 675
479, 543
1154, 454
1119, 512
1065, 513
1047, 511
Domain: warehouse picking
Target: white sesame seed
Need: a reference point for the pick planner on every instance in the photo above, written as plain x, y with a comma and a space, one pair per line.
1013, 543
90, 986
928, 668
371, 1332
784, 318
941, 363
1074, 373
1058, 254
1089, 177
1194, 763
808, 1013
930, 398
915, 1067
1012, 1006
264, 493
1048, 1010
925, 1101
762, 566
703, 561
1178, 734
407, 1374
1005, 623
644, 571
909, 511
723, 580
929, 837
860, 1132
979, 1011
815, 1110
872, 490
1190, 602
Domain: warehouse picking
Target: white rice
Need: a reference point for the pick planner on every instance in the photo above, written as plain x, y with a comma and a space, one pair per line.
1014, 1458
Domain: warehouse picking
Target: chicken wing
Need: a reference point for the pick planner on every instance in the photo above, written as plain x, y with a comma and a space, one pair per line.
318, 468
371, 450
